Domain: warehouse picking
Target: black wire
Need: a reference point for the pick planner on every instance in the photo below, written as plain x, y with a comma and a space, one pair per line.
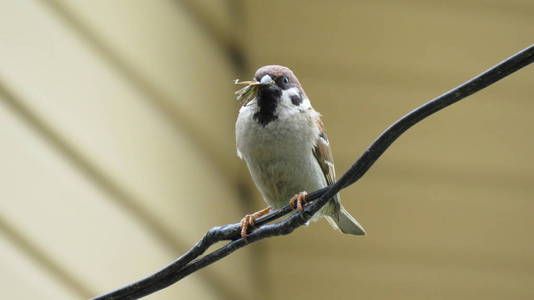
189, 262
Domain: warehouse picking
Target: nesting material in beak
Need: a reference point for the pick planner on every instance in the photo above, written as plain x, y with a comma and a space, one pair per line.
250, 89
248, 92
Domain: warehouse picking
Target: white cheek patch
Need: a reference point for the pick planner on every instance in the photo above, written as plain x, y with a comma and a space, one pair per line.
292, 97
305, 103
290, 92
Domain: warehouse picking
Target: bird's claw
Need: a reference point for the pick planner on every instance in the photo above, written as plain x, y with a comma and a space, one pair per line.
246, 222
298, 201
250, 220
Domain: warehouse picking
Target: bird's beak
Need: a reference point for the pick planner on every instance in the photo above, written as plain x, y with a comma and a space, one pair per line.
266, 80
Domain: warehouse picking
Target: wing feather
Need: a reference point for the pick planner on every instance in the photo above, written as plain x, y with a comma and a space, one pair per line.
323, 154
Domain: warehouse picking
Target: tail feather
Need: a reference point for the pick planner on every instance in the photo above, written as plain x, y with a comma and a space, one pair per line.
346, 223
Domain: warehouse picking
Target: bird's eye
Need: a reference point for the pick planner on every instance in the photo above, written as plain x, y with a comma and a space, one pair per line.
285, 80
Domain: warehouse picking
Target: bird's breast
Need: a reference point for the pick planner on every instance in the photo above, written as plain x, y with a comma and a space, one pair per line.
279, 156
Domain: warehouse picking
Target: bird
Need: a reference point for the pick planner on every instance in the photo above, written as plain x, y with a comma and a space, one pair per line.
283, 142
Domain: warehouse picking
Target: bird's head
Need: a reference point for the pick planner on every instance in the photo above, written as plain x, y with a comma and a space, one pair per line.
273, 81
275, 88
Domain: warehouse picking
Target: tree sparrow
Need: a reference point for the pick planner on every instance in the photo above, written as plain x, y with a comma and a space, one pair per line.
283, 142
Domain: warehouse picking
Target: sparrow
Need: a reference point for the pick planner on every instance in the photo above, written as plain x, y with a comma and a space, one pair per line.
283, 142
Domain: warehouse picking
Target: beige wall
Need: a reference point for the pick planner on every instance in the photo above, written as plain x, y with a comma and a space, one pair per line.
449, 207
117, 147
113, 159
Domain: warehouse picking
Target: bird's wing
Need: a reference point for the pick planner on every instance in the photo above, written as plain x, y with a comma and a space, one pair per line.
339, 218
323, 154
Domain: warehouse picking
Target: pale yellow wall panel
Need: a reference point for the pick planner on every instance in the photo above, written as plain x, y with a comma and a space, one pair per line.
485, 132
48, 201
396, 36
387, 278
24, 279
108, 123
448, 207
489, 225
166, 47
219, 13
436, 237
105, 120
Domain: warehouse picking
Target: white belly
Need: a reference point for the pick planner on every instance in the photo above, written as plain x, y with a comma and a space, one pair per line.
280, 155
280, 175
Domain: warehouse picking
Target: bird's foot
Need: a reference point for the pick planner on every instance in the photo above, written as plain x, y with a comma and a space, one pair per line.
249, 220
298, 202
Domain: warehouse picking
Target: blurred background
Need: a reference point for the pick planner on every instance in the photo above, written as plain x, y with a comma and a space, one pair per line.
118, 151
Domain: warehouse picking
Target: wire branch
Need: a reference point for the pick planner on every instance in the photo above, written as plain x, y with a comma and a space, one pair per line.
192, 261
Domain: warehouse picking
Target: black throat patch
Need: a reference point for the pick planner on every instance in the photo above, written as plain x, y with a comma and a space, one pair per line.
267, 102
